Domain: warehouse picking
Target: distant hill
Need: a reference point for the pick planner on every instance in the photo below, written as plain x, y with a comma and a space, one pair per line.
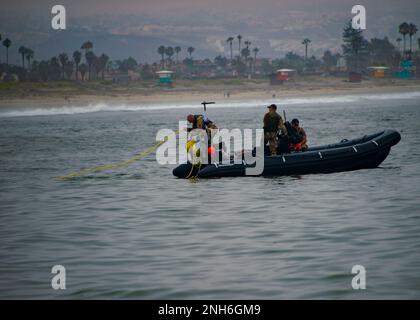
120, 36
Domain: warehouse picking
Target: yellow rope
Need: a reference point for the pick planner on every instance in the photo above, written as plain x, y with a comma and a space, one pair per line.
191, 171
190, 176
136, 157
198, 171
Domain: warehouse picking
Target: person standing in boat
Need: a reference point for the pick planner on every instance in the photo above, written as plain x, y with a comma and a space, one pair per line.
273, 122
299, 132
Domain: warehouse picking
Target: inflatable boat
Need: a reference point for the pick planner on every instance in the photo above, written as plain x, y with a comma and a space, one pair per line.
366, 152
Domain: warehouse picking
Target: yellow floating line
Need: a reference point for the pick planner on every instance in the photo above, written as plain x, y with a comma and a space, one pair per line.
136, 157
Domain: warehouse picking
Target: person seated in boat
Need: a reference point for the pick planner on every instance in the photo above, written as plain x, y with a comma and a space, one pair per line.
273, 122
297, 137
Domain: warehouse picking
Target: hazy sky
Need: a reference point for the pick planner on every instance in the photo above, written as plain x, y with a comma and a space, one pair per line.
137, 27
165, 7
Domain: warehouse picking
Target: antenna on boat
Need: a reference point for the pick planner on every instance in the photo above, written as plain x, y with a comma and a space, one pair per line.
205, 103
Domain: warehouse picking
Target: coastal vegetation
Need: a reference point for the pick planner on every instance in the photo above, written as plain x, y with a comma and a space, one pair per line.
242, 61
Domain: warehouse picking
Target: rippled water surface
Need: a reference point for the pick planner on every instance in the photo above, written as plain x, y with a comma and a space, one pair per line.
140, 233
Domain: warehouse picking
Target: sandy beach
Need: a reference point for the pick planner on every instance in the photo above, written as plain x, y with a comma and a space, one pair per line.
193, 91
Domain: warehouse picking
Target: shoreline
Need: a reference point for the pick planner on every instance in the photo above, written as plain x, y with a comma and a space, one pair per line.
195, 95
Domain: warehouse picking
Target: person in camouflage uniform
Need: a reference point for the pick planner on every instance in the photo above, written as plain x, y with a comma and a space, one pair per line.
273, 122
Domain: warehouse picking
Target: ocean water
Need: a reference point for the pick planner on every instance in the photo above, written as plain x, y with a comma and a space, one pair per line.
139, 233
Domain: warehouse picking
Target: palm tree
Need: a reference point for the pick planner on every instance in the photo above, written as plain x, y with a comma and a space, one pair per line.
169, 51
54, 69
403, 29
90, 58
245, 53
239, 41
247, 44
399, 43
177, 51
255, 50
87, 46
29, 55
161, 51
77, 57
63, 58
306, 42
190, 51
412, 29
68, 69
22, 52
83, 69
230, 40
103, 60
7, 43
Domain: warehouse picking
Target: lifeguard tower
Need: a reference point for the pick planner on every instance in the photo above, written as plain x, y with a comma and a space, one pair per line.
281, 75
378, 72
407, 69
165, 78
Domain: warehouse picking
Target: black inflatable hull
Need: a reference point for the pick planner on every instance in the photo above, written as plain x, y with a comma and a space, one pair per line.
366, 152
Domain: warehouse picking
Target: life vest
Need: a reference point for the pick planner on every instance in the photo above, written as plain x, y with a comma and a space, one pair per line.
296, 146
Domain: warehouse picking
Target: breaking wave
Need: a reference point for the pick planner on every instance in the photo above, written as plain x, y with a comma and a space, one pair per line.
104, 107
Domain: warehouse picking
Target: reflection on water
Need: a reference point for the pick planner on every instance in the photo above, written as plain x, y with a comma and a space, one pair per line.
139, 233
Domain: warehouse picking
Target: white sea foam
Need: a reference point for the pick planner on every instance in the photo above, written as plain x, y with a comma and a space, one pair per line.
101, 107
